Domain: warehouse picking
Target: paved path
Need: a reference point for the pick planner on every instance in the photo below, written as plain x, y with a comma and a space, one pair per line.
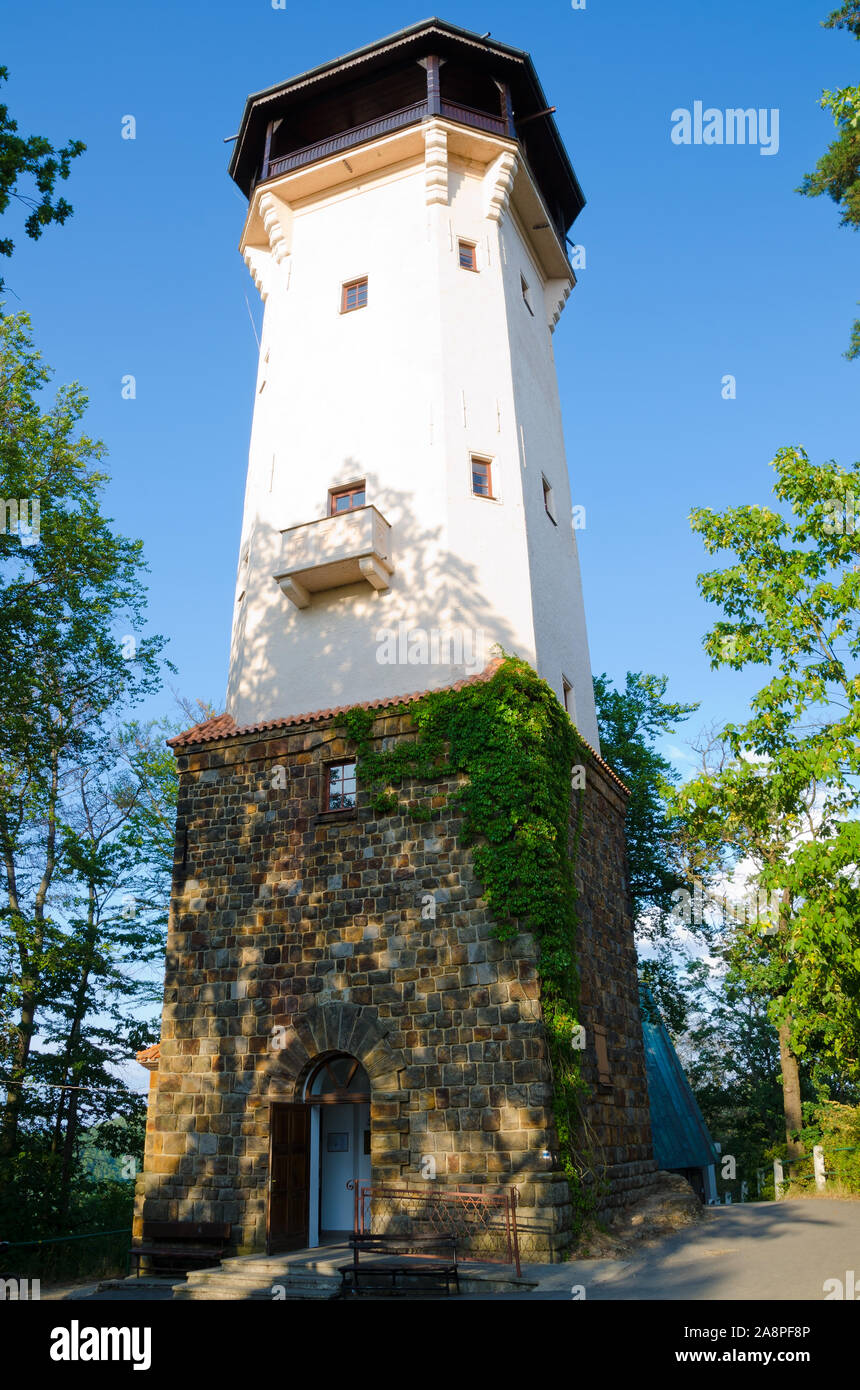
767, 1250
780, 1250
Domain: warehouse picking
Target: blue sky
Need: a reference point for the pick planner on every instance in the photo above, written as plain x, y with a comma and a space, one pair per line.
702, 261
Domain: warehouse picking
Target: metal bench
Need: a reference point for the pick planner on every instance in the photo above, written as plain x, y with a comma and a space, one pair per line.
182, 1245
375, 1274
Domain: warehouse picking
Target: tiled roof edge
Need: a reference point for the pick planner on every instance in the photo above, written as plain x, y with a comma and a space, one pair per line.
224, 726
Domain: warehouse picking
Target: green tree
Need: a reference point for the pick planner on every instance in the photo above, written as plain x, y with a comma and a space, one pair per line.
112, 922
630, 722
730, 1053
837, 172
783, 791
33, 157
72, 604
109, 906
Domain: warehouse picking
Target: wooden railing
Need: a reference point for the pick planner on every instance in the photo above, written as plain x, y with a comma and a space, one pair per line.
372, 130
469, 115
346, 139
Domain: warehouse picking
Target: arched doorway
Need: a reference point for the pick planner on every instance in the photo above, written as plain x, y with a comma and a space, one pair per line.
317, 1145
338, 1092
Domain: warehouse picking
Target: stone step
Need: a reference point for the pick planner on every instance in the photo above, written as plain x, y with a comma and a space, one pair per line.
226, 1284
228, 1292
254, 1277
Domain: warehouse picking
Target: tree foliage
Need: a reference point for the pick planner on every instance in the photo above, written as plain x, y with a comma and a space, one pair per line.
72, 607
630, 722
783, 792
837, 173
32, 157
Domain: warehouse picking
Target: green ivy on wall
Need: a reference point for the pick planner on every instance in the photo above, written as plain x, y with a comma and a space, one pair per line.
515, 746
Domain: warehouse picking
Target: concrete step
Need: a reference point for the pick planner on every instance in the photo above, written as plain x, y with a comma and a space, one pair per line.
267, 1278
272, 1278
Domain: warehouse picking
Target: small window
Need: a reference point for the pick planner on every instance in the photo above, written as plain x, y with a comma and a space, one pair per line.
567, 697
353, 295
482, 478
340, 787
346, 499
549, 508
468, 256
527, 298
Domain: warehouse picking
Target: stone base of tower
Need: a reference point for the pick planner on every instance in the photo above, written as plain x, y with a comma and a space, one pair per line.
302, 942
617, 1115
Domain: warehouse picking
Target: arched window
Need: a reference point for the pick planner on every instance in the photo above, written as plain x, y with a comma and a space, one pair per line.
339, 1079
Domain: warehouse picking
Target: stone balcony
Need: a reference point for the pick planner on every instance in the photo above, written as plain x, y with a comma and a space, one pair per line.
333, 551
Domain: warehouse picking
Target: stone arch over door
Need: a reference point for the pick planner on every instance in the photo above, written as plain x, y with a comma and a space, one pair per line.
297, 1177
324, 1029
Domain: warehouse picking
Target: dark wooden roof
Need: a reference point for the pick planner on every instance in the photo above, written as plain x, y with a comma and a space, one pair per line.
486, 58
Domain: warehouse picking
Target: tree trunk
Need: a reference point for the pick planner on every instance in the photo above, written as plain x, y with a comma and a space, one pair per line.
790, 1071
68, 1162
69, 1074
14, 1090
31, 963
790, 1090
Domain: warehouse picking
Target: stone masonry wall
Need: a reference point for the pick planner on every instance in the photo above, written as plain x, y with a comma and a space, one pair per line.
618, 1123
368, 935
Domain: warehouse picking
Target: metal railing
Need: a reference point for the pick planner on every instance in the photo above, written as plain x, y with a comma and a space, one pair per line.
67, 1256
485, 1223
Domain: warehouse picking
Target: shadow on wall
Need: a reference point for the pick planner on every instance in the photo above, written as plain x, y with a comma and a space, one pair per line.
347, 644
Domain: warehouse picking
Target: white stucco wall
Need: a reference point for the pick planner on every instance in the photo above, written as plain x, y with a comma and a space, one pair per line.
442, 363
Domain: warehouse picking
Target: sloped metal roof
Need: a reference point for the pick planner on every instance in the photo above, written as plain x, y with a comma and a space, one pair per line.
679, 1132
543, 139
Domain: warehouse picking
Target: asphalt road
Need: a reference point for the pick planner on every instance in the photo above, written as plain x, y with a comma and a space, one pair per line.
767, 1250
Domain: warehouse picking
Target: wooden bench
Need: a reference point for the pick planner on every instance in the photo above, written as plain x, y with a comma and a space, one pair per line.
181, 1245
375, 1272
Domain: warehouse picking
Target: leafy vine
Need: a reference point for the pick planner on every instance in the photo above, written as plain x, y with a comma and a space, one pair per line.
514, 746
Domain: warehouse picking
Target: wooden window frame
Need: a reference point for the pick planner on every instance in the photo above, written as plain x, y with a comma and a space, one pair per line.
327, 807
345, 306
472, 248
487, 463
346, 491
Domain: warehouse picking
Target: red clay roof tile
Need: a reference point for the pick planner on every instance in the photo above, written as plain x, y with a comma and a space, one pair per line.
224, 726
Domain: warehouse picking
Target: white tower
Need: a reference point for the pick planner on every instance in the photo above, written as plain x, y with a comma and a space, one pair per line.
407, 504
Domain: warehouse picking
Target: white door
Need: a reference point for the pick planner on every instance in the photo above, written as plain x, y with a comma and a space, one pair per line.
344, 1133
